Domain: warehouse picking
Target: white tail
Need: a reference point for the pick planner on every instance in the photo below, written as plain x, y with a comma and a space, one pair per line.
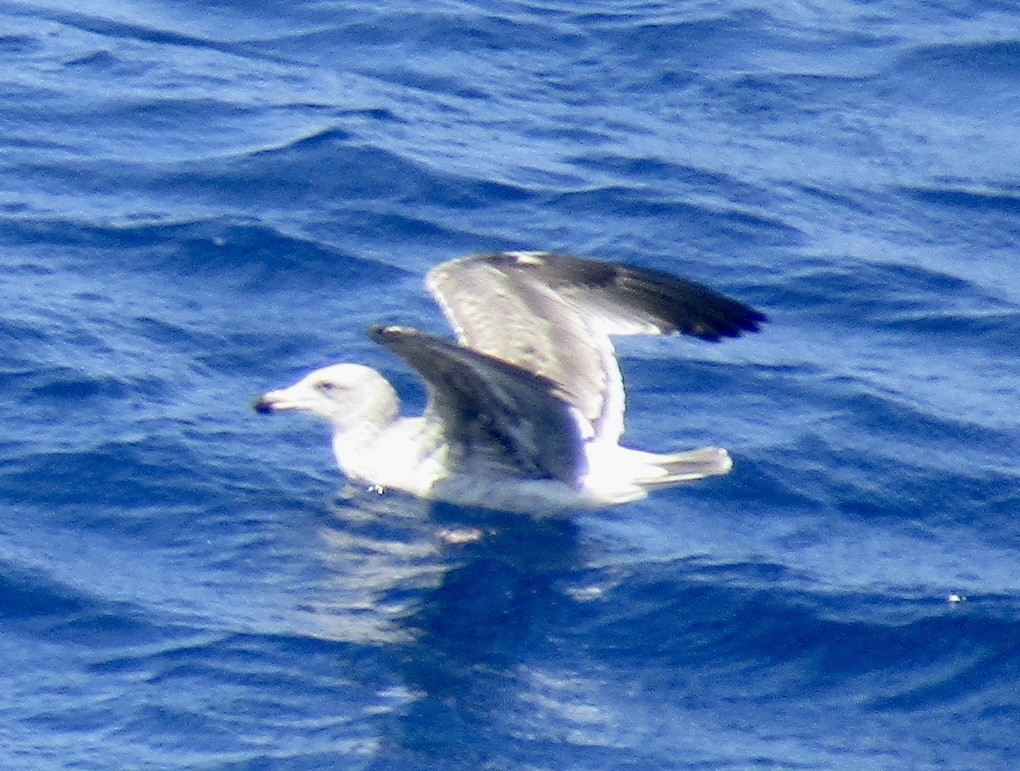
619, 474
680, 467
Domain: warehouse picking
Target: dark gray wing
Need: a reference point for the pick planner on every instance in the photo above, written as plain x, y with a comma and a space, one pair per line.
493, 413
554, 315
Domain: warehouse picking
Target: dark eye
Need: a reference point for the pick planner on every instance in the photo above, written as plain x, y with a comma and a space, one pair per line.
327, 387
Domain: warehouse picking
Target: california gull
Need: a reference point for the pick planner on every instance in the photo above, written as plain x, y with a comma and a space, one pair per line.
525, 410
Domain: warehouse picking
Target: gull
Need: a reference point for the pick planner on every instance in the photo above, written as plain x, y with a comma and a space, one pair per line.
526, 409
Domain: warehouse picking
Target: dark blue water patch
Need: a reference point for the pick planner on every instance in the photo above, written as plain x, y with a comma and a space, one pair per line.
36, 606
257, 692
63, 387
124, 479
868, 411
593, 134
19, 44
835, 463
256, 257
118, 32
990, 330
326, 141
1007, 203
100, 60
640, 171
329, 173
361, 115
265, 661
985, 218
470, 634
978, 59
148, 118
842, 199
968, 79
108, 121
980, 671
905, 488
796, 492
271, 259
25, 334
679, 639
929, 472
170, 333
29, 597
439, 735
433, 84
261, 354
396, 230
357, 34
493, 592
786, 100
440, 35
759, 642
65, 232
63, 402
868, 292
492, 32
111, 28
702, 401
717, 42
700, 222
67, 404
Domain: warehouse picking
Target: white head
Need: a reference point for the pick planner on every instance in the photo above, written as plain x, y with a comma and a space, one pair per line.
344, 395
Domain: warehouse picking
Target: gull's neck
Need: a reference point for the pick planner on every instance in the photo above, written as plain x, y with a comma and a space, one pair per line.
357, 433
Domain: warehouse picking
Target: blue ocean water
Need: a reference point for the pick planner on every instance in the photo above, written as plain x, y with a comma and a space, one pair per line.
201, 201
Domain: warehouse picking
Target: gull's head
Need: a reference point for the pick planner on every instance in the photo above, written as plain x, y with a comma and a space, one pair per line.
344, 395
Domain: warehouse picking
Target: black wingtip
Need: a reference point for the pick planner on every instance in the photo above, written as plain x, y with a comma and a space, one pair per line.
753, 321
728, 319
756, 319
675, 304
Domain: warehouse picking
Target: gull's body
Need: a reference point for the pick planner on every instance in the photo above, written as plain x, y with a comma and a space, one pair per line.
526, 409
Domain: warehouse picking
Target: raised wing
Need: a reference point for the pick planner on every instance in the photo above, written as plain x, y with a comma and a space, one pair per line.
554, 315
493, 413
